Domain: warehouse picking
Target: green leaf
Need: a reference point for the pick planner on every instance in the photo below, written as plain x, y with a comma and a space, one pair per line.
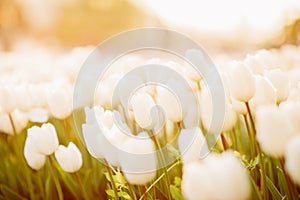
48, 185
123, 194
274, 191
176, 193
110, 193
107, 176
177, 181
255, 190
9, 193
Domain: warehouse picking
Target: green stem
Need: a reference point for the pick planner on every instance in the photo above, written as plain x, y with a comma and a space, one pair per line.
224, 143
83, 191
251, 117
113, 184
131, 192
292, 187
163, 162
158, 179
56, 181
255, 143
12, 124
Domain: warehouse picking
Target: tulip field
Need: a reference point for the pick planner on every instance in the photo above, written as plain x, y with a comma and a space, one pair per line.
148, 146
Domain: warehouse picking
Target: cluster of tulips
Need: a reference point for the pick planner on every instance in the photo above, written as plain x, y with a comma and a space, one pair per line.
125, 151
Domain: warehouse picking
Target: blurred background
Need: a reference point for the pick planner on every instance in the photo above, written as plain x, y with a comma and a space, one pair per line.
219, 26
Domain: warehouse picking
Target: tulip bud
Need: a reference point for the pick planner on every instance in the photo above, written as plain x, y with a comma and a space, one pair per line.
280, 81
69, 158
44, 138
241, 81
191, 144
60, 102
222, 173
273, 130
169, 103
138, 159
141, 105
292, 157
265, 93
34, 159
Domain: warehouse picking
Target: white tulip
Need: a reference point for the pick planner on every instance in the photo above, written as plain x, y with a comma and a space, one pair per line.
34, 159
44, 138
7, 98
142, 104
254, 65
273, 130
292, 159
192, 144
241, 81
69, 158
265, 93
280, 81
60, 102
138, 159
20, 120
239, 107
222, 173
39, 115
206, 110
169, 103
23, 98
104, 141
292, 112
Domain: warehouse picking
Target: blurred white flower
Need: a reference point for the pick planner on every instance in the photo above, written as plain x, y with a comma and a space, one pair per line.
39, 115
103, 141
191, 144
216, 177
44, 138
292, 159
239, 107
7, 98
292, 112
280, 81
69, 158
169, 103
273, 130
252, 62
241, 82
20, 120
206, 110
265, 93
142, 103
138, 159
59, 101
34, 159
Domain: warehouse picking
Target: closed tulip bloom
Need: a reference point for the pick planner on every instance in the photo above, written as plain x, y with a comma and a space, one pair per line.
60, 102
206, 110
7, 98
273, 130
281, 83
138, 159
34, 159
69, 158
241, 82
218, 172
141, 106
253, 64
20, 120
169, 103
292, 159
44, 138
192, 144
292, 112
265, 93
